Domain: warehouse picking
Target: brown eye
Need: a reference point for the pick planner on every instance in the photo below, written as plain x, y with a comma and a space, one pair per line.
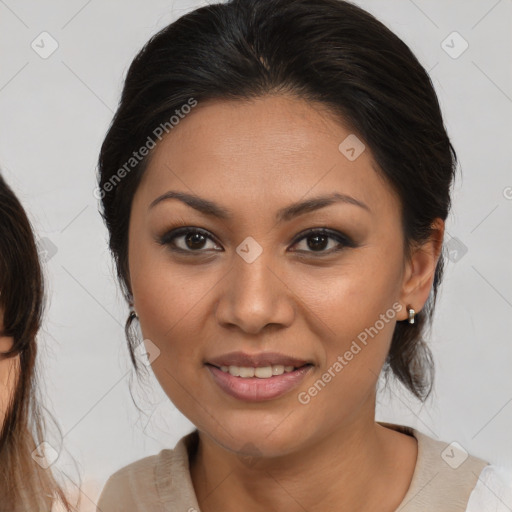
194, 240
317, 240
188, 240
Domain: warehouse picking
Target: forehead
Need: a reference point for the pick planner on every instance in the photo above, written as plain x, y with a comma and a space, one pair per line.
273, 149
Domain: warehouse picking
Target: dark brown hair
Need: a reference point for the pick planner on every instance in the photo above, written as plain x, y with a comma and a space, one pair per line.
24, 485
326, 51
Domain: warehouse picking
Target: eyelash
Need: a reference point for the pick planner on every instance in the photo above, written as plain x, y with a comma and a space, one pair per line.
345, 242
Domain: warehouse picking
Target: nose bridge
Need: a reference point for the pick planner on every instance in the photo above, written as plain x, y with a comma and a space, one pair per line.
252, 266
254, 296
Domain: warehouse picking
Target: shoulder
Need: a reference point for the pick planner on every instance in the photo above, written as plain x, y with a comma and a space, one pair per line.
156, 483
447, 458
493, 490
133, 487
444, 477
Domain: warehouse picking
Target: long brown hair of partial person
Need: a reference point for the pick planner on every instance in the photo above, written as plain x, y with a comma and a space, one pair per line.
24, 484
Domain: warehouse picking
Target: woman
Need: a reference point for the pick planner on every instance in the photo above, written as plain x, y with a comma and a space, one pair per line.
275, 184
26, 481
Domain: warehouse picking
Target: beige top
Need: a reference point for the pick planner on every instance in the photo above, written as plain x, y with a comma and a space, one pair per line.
442, 480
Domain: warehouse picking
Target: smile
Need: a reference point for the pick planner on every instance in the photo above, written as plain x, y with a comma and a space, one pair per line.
256, 384
261, 372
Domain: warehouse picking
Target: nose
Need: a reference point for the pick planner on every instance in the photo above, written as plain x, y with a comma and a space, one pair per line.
254, 295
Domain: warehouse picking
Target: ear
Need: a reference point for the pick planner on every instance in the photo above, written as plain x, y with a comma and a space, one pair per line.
420, 271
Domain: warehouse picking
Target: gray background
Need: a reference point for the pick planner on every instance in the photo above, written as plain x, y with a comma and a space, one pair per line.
54, 114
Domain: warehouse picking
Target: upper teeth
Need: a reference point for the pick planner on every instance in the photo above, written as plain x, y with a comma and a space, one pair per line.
262, 372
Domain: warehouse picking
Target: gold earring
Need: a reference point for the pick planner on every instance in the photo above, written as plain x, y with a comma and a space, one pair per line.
412, 313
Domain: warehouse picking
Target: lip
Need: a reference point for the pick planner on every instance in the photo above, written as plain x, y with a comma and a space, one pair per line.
256, 360
254, 389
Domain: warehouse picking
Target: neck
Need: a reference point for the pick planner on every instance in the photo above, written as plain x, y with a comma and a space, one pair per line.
352, 468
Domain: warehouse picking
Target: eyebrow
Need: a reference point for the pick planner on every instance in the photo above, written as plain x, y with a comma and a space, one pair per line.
211, 209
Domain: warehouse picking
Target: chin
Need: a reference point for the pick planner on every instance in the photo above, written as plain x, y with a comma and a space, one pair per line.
271, 437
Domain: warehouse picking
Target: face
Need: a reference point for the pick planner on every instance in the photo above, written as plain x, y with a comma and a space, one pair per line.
8, 371
253, 282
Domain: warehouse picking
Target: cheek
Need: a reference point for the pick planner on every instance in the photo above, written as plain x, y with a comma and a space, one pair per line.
357, 310
352, 296
168, 297
163, 293
172, 303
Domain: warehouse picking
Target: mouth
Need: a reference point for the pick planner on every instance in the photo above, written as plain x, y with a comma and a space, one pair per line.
257, 378
259, 372
246, 361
